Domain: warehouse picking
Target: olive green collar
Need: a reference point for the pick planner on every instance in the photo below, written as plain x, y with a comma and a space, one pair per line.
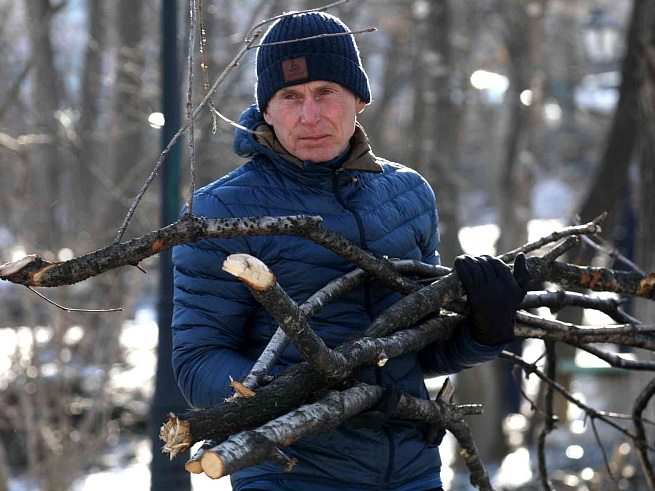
360, 156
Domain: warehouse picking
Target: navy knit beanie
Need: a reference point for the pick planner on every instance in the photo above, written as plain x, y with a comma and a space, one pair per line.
335, 59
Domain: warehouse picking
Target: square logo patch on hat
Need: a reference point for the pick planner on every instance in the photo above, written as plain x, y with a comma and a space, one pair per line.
294, 69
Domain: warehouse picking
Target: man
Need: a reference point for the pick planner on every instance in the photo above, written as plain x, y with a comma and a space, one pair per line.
310, 156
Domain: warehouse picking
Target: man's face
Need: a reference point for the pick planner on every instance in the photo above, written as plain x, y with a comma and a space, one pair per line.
314, 121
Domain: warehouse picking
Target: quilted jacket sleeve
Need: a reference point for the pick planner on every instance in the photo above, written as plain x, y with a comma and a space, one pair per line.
461, 351
211, 311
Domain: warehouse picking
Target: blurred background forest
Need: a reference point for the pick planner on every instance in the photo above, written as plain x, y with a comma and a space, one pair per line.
522, 114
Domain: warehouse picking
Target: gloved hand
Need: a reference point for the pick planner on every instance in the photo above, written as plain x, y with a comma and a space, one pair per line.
378, 415
494, 295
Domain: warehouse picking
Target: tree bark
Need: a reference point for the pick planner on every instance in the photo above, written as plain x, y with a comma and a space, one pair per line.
45, 162
645, 252
435, 125
128, 118
608, 188
85, 183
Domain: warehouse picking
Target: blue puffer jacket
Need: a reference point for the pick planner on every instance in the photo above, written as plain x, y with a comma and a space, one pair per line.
219, 330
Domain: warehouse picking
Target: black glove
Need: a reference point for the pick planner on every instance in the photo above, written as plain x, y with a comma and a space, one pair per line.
494, 295
378, 415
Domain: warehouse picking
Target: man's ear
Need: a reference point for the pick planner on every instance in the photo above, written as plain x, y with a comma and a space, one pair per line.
267, 117
360, 106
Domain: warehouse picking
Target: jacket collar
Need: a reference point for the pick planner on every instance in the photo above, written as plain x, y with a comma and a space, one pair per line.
359, 158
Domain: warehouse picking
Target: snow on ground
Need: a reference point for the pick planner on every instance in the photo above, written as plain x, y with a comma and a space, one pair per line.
137, 476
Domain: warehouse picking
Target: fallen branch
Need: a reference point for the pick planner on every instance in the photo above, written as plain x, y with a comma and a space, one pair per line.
555, 330
590, 228
393, 333
245, 448
34, 271
294, 386
262, 284
593, 278
557, 300
252, 447
334, 289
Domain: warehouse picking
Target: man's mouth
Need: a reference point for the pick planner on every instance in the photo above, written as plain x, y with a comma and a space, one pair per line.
314, 138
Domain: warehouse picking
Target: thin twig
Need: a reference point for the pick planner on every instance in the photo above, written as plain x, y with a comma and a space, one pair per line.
605, 458
556, 300
67, 309
317, 36
267, 360
615, 360
234, 63
270, 20
238, 126
572, 333
561, 249
516, 373
549, 416
607, 248
592, 227
602, 415
640, 432
204, 65
189, 104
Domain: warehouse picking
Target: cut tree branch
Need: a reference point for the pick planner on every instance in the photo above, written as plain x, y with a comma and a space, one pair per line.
262, 284
334, 289
34, 271
571, 333
557, 300
252, 447
295, 385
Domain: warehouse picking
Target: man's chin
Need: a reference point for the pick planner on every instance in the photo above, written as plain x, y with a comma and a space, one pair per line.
320, 156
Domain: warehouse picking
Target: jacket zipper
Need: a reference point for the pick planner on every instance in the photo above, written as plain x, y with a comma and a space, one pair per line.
362, 236
367, 304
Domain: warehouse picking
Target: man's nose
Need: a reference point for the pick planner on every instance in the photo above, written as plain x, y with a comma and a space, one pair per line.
310, 111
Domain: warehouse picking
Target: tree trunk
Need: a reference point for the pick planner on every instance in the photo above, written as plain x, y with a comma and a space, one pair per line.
525, 42
608, 189
374, 117
436, 119
128, 118
46, 163
646, 133
84, 182
447, 123
4, 468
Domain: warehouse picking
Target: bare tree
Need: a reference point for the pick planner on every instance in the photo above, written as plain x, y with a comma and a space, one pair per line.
523, 34
45, 102
646, 147
85, 180
436, 118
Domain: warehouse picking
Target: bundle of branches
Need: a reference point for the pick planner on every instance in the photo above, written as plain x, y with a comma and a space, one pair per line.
268, 413
271, 416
